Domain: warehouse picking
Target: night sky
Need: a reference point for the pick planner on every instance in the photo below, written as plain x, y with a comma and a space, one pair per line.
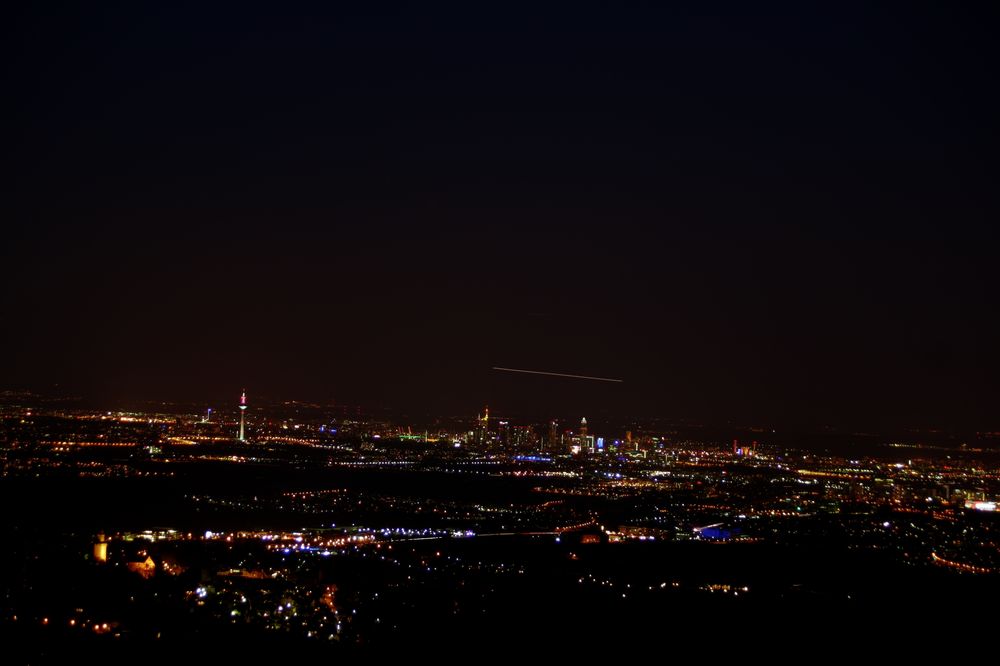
772, 214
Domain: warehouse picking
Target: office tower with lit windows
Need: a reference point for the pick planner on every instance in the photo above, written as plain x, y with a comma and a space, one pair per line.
482, 434
553, 440
586, 444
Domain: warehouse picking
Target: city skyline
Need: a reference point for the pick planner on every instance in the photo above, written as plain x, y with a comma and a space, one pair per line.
261, 526
537, 414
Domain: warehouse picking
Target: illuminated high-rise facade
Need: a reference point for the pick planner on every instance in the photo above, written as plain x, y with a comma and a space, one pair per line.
586, 445
482, 434
503, 435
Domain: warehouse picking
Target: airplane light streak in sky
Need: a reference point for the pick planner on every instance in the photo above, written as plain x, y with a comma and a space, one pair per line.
558, 374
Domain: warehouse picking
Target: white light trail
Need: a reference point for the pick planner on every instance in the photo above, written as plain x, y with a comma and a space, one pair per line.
558, 374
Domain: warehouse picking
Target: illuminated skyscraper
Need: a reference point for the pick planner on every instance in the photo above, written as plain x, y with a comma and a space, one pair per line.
503, 435
553, 442
483, 427
522, 438
243, 409
584, 444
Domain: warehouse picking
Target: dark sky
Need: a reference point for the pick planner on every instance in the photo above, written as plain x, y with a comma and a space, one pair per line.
766, 213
